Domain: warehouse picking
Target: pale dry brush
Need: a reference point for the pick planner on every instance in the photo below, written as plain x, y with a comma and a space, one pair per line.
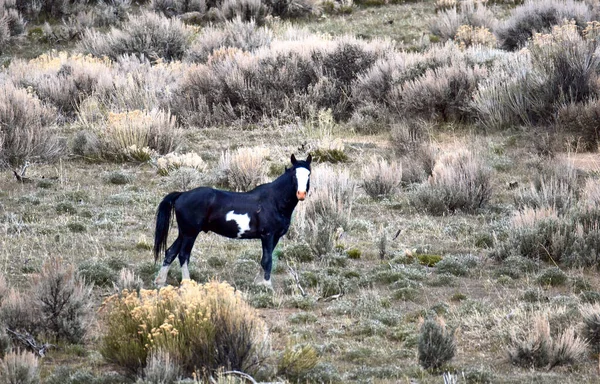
4, 33
535, 346
247, 36
172, 161
580, 123
435, 344
503, 100
447, 22
539, 16
590, 326
442, 94
381, 178
63, 79
243, 168
460, 181
134, 135
20, 367
141, 84
327, 210
178, 7
17, 313
293, 8
63, 300
26, 127
247, 10
128, 280
220, 328
162, 368
590, 195
467, 36
148, 34
530, 87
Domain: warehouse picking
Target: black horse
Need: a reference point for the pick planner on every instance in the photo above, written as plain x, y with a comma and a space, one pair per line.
265, 213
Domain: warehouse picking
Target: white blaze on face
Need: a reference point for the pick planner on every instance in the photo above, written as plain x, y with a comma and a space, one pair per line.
302, 175
242, 221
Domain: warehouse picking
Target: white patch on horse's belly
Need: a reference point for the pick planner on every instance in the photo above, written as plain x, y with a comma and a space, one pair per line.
242, 221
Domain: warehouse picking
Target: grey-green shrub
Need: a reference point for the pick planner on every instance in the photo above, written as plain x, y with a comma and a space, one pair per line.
247, 10
436, 344
246, 36
539, 16
459, 182
63, 300
20, 367
161, 368
178, 7
27, 132
447, 22
582, 121
591, 325
147, 34
571, 240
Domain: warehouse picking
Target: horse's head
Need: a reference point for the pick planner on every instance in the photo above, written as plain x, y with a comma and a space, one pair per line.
301, 172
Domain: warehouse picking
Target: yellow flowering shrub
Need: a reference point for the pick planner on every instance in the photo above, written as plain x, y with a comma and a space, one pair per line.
467, 35
201, 326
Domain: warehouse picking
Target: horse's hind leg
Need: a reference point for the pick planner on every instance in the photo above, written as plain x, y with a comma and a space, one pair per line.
170, 255
184, 256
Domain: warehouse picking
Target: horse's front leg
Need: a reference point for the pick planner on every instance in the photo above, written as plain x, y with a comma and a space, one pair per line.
268, 244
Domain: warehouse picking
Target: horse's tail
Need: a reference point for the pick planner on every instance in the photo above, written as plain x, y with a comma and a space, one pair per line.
163, 221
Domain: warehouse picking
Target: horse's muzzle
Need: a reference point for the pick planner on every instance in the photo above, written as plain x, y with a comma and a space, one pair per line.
301, 195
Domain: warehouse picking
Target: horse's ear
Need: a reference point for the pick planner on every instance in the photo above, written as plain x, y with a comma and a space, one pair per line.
309, 158
294, 161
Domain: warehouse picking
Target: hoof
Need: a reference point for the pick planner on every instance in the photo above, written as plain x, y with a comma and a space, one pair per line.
265, 283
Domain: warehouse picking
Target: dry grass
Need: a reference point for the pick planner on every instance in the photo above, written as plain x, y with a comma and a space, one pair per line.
278, 87
20, 367
244, 168
380, 178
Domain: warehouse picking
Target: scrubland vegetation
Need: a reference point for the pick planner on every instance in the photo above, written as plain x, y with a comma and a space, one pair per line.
451, 234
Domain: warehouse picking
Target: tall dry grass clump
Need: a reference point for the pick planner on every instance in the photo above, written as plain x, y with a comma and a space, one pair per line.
147, 34
161, 368
136, 135
460, 181
580, 122
327, 210
247, 10
243, 168
535, 346
201, 327
554, 186
570, 238
381, 178
19, 367
26, 131
178, 7
590, 328
539, 16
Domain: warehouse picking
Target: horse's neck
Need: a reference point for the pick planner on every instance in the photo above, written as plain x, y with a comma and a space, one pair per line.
285, 194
